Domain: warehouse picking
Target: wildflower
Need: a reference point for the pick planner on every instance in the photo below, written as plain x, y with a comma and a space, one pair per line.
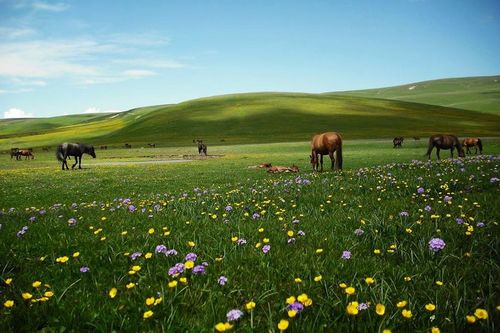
222, 327
295, 306
290, 233
84, 269
191, 256
380, 309
386, 331
8, 303
470, 319
241, 241
151, 231
407, 313
26, 296
62, 260
8, 281
36, 284
136, 268
265, 240
283, 325
302, 298
147, 314
420, 190
298, 280
135, 255
435, 329
157, 301
430, 307
343, 285
176, 269
439, 283
359, 232
183, 280
346, 255
189, 264
161, 249
350, 290
150, 301
48, 294
72, 222
436, 244
250, 306
172, 284
130, 285
319, 251
407, 278
222, 280
401, 304
199, 269
266, 248
428, 208
291, 313
191, 244
234, 314
318, 278
363, 306
171, 252
76, 254
376, 251
481, 313
112, 292
148, 255
404, 214
290, 300
352, 308
369, 281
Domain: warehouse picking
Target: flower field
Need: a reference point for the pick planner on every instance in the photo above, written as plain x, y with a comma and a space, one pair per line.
403, 247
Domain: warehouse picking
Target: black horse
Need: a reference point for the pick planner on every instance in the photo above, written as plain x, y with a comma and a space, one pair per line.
398, 142
444, 141
202, 148
73, 149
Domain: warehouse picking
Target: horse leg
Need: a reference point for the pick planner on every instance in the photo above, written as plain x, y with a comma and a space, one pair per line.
76, 162
321, 162
437, 153
80, 163
332, 159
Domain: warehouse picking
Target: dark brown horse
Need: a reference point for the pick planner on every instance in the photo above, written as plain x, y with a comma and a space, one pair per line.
473, 142
25, 152
326, 144
444, 141
73, 149
398, 142
202, 148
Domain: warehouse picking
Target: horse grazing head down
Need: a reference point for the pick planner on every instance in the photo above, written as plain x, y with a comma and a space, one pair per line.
444, 141
91, 151
328, 143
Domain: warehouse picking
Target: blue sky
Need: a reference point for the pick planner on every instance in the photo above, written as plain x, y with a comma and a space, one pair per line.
66, 57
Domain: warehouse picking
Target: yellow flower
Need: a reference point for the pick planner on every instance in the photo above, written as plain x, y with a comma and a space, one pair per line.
343, 285
222, 327
150, 301
298, 280
481, 314
318, 278
350, 290
191, 244
265, 240
124, 233
148, 255
189, 264
151, 231
319, 251
48, 294
430, 307
290, 300
471, 319
158, 301
234, 238
250, 306
283, 324
376, 251
147, 314
302, 298
36, 284
292, 313
435, 329
183, 280
439, 283
26, 296
130, 285
386, 331
407, 278
369, 281
401, 304
172, 284
8, 304
103, 218
112, 292
76, 254
380, 309
258, 245
136, 268
62, 260
352, 308
407, 313
261, 230
8, 281
290, 233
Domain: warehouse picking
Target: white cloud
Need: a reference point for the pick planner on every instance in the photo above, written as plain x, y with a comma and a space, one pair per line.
16, 113
50, 7
151, 63
15, 33
138, 73
97, 110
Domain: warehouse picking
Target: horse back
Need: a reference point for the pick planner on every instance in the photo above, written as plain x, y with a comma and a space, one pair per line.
326, 142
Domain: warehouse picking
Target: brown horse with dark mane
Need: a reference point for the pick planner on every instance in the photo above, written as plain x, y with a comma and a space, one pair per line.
444, 141
326, 144
473, 142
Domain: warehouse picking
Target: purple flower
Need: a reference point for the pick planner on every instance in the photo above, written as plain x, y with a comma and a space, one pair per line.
420, 190
176, 269
228, 208
199, 269
346, 255
494, 180
480, 225
72, 222
222, 280
32, 219
436, 244
131, 208
241, 241
459, 220
161, 249
359, 232
363, 306
404, 214
296, 221
135, 255
447, 199
43, 212
296, 306
266, 248
74, 205
22, 231
255, 216
301, 233
428, 208
84, 269
191, 256
234, 315
171, 252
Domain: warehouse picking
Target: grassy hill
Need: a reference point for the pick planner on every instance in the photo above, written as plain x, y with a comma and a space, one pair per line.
471, 93
252, 118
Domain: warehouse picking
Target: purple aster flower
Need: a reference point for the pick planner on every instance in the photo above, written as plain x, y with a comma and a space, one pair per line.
459, 220
191, 256
420, 190
199, 269
131, 208
176, 269
296, 221
480, 225
494, 180
228, 208
43, 212
171, 252
346, 255
74, 205
301, 233
241, 241
135, 255
32, 219
363, 306
72, 222
266, 248
222, 280
234, 315
436, 244
161, 249
359, 232
404, 214
255, 216
428, 208
447, 199
84, 269
296, 306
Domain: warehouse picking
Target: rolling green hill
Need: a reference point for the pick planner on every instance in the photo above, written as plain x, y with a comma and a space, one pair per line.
252, 118
471, 93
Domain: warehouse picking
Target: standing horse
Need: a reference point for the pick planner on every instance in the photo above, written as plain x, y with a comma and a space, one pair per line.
202, 148
14, 153
398, 141
473, 142
444, 141
326, 144
25, 152
73, 149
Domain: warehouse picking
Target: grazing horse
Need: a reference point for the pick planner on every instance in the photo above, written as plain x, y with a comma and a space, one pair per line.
73, 149
473, 142
398, 141
25, 152
14, 153
326, 144
444, 141
128, 146
202, 148
152, 145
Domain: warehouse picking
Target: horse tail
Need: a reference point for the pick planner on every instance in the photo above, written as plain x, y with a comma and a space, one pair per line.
60, 153
429, 149
480, 145
338, 160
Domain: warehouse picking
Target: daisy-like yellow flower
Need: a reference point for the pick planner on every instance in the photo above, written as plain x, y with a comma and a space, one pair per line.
297, 280
265, 240
471, 319
290, 233
48, 294
292, 313
435, 329
283, 325
150, 301
151, 231
407, 313
369, 281
481, 313
380, 309
222, 327
76, 254
401, 304
352, 308
261, 230
376, 251
112, 292
172, 284
350, 290
36, 284
191, 244
158, 301
290, 300
8, 281
430, 307
189, 264
234, 239
318, 278
148, 255
183, 280
147, 314
136, 268
258, 245
343, 285
62, 260
250, 306
124, 233
8, 303
130, 285
302, 298
26, 296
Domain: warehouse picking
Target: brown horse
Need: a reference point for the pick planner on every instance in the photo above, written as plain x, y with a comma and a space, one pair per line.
326, 144
398, 142
25, 152
473, 142
279, 168
444, 141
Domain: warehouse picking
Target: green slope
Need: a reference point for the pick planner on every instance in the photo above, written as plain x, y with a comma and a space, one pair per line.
264, 117
470, 93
